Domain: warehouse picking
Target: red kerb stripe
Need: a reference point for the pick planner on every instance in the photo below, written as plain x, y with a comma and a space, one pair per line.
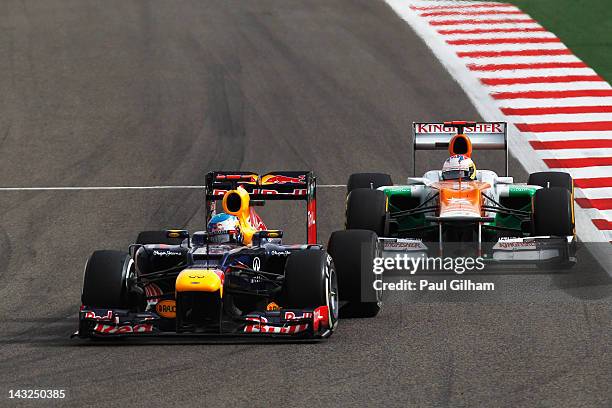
578, 162
503, 41
599, 203
565, 126
469, 13
490, 30
475, 22
552, 94
524, 53
556, 110
602, 224
462, 6
544, 65
593, 182
541, 79
572, 144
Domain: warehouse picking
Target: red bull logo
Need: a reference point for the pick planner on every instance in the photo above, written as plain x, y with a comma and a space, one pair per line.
280, 179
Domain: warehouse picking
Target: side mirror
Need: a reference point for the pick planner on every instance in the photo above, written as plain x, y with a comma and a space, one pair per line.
505, 180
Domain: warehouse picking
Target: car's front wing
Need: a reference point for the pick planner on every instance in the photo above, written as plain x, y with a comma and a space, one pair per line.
293, 323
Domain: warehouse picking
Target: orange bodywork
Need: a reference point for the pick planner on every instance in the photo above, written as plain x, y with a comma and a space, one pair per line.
462, 199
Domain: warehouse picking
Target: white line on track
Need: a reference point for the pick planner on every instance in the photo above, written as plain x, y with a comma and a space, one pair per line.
102, 188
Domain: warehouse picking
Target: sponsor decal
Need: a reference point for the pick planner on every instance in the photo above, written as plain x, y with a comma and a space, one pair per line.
292, 316
113, 329
272, 307
514, 244
280, 179
295, 192
256, 263
279, 253
166, 253
477, 128
92, 316
166, 308
403, 245
260, 326
244, 178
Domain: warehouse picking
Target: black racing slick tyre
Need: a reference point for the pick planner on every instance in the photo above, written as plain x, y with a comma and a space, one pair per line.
366, 209
353, 252
553, 212
310, 282
157, 237
105, 280
549, 179
368, 180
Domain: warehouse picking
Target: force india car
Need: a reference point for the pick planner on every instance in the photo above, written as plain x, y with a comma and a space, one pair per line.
489, 216
171, 282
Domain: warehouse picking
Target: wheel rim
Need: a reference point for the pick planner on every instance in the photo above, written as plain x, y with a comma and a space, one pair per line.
331, 291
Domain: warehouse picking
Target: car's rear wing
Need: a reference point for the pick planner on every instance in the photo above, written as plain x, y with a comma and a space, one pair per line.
438, 135
276, 185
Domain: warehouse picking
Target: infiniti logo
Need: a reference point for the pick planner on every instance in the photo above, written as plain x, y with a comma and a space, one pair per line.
256, 263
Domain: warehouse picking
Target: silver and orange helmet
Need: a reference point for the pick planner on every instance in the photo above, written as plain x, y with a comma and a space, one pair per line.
459, 167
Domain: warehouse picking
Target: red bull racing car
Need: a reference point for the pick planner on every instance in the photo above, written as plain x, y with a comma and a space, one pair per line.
234, 278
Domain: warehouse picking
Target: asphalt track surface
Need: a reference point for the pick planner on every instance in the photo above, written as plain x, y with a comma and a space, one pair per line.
145, 93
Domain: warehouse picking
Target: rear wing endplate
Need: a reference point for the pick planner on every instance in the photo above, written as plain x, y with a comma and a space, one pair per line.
437, 136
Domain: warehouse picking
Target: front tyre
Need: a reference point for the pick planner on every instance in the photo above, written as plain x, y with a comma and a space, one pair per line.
311, 282
105, 280
353, 252
553, 212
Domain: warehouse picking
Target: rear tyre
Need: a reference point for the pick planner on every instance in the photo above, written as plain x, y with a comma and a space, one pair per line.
366, 209
552, 212
310, 282
548, 179
368, 180
157, 237
353, 252
105, 280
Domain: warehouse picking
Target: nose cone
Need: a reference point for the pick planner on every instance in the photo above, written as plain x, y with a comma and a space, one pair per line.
200, 280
